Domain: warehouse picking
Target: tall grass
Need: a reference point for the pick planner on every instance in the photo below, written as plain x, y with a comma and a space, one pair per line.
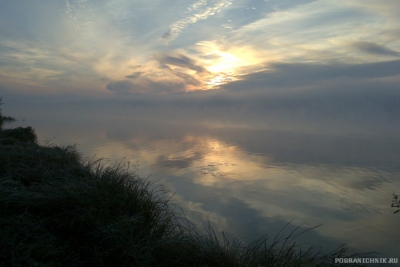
57, 209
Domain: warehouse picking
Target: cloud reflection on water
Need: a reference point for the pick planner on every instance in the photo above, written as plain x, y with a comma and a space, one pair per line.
254, 181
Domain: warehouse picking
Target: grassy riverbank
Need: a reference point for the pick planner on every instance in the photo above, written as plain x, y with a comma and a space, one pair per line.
57, 209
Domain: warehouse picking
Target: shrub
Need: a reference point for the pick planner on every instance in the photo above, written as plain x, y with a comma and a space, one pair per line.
20, 134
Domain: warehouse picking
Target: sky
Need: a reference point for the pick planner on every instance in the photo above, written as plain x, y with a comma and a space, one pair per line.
322, 59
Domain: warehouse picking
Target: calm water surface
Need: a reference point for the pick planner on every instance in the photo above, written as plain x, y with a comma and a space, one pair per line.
251, 181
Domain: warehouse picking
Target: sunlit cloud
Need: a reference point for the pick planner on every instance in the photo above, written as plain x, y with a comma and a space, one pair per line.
114, 45
206, 65
228, 63
317, 31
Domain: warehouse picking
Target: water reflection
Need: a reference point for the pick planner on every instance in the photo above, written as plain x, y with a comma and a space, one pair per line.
253, 181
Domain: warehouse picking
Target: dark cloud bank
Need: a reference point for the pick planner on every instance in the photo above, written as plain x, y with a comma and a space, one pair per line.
375, 49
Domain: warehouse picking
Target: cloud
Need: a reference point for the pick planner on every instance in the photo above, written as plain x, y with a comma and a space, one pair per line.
294, 75
387, 8
178, 60
375, 49
188, 79
319, 91
332, 98
145, 85
76, 11
198, 11
134, 75
165, 73
319, 31
121, 87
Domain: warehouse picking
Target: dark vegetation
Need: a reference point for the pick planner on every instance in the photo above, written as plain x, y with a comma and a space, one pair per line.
57, 209
7, 118
4, 118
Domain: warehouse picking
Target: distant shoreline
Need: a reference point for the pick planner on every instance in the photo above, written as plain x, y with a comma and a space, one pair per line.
7, 118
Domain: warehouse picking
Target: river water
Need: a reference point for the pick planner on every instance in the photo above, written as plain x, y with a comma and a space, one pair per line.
249, 181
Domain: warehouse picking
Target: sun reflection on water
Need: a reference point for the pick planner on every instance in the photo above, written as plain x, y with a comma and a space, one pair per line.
209, 173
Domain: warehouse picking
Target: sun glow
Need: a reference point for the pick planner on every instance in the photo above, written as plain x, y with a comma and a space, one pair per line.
223, 68
226, 64
219, 80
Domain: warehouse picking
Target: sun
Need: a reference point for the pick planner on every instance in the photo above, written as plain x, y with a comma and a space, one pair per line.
223, 68
226, 64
